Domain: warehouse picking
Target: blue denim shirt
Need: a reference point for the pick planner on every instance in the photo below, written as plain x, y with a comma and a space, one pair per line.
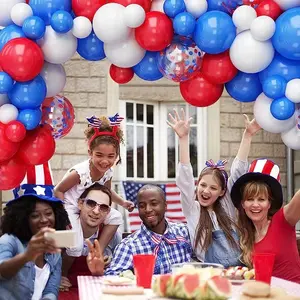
21, 286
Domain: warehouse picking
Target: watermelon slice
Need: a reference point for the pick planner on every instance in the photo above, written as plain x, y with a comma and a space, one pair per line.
160, 284
218, 288
188, 286
171, 288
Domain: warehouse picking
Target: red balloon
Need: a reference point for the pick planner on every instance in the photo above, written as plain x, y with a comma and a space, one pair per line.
22, 59
269, 8
252, 3
156, 33
120, 75
15, 131
146, 4
87, 8
7, 149
199, 92
38, 146
12, 172
218, 68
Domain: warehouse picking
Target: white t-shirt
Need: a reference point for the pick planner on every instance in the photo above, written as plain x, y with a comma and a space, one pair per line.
41, 279
192, 210
71, 203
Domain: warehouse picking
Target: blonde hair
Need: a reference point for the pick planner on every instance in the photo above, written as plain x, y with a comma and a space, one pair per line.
251, 189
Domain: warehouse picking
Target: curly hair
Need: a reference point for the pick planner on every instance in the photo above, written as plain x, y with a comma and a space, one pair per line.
16, 217
104, 139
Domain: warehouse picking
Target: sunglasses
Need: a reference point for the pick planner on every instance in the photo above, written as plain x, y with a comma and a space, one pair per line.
91, 204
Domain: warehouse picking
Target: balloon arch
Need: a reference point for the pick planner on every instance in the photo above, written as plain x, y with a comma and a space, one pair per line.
250, 47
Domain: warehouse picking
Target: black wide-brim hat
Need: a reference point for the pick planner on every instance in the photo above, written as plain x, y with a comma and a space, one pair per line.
267, 178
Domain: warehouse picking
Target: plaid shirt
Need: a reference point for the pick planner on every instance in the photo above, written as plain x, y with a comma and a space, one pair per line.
172, 247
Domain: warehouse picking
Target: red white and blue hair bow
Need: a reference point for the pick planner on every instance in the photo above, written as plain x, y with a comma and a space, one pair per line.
219, 165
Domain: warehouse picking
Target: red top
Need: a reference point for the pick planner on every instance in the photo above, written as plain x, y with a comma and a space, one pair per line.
281, 240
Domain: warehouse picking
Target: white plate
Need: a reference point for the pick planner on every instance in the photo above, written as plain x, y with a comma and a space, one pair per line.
239, 281
117, 281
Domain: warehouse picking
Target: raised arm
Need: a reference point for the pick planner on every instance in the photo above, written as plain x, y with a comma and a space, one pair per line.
65, 184
292, 210
185, 178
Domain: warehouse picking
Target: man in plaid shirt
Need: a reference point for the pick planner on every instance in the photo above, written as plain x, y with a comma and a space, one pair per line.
170, 242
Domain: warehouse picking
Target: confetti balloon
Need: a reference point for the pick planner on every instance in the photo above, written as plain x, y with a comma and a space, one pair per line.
58, 112
181, 60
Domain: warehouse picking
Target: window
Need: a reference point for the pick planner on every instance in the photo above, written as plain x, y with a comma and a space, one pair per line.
151, 146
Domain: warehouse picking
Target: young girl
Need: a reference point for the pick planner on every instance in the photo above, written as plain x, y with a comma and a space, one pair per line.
266, 226
103, 137
211, 217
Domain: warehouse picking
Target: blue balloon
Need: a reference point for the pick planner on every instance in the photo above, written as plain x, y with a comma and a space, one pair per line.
184, 24
219, 5
286, 36
214, 32
173, 7
30, 118
282, 108
91, 48
61, 21
147, 68
274, 87
10, 32
288, 69
34, 27
6, 83
46, 8
244, 87
29, 94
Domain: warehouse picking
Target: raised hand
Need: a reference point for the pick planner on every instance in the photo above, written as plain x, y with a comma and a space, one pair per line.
39, 245
180, 124
251, 127
95, 260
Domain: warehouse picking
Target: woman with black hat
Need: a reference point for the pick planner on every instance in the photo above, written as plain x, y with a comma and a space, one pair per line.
30, 264
266, 226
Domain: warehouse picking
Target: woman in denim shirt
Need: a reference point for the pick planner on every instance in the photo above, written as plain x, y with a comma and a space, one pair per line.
30, 264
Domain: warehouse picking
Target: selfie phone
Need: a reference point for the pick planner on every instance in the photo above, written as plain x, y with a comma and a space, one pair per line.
63, 238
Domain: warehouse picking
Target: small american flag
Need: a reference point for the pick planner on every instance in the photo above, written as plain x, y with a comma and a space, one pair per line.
94, 121
116, 120
174, 209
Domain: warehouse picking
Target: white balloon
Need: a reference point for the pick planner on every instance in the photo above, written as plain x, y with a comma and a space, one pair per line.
126, 54
196, 7
291, 138
58, 48
292, 91
263, 28
5, 9
55, 78
264, 118
3, 99
249, 55
158, 5
134, 15
82, 27
243, 17
287, 4
109, 25
8, 112
20, 12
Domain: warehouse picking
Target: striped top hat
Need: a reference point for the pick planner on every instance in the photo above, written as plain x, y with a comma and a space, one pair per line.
263, 170
37, 183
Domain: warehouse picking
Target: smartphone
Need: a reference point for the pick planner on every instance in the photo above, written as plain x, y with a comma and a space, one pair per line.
63, 238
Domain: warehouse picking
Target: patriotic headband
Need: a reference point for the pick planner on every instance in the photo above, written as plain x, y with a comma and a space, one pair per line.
96, 123
219, 165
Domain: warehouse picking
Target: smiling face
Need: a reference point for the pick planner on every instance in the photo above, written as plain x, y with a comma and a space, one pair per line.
92, 214
256, 202
42, 216
103, 157
210, 187
152, 207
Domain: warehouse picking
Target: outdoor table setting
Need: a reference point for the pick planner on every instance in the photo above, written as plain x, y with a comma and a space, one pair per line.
207, 280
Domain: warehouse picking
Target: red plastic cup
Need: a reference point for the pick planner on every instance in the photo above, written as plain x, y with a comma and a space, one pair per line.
143, 268
263, 266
